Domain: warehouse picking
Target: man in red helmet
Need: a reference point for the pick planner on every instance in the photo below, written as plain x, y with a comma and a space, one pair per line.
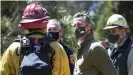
34, 20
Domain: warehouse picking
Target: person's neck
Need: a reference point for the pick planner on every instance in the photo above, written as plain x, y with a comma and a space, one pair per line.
84, 39
121, 40
39, 31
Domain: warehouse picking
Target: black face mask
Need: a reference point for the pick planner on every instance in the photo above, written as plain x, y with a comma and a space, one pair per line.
113, 38
79, 32
53, 36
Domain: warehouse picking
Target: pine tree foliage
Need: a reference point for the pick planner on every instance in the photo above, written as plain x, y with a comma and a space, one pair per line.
105, 13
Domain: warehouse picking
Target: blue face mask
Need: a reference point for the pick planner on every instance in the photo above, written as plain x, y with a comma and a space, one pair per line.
53, 36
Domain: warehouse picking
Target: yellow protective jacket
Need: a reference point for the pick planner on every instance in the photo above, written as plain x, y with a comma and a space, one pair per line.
10, 60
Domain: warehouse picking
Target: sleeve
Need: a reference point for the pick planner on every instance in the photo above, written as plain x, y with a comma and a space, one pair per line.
56, 63
70, 55
130, 62
9, 61
60, 62
5, 66
102, 62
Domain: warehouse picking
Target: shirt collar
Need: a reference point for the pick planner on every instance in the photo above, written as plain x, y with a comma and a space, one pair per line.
80, 43
123, 42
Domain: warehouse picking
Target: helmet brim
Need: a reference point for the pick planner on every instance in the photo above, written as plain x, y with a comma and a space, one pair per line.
109, 27
33, 20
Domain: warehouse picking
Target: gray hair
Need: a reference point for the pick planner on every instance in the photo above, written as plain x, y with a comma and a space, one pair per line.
55, 22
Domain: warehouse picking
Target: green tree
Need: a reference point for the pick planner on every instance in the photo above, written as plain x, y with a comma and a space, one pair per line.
125, 8
103, 14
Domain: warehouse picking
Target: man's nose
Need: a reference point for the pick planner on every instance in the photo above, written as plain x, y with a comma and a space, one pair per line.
110, 32
77, 24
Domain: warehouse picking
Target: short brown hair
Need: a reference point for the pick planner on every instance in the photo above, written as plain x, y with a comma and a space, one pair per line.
87, 18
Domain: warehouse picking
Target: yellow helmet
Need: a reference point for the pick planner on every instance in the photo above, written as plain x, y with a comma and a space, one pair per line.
116, 20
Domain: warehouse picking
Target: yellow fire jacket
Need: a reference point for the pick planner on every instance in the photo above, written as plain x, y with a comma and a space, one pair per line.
10, 60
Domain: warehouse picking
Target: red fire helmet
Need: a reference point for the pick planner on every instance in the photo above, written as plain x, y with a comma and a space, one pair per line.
34, 16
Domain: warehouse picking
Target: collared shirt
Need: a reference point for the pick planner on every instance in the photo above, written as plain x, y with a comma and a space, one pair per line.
121, 56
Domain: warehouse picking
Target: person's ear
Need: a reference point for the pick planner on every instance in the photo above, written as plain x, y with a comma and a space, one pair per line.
61, 32
123, 30
44, 28
88, 27
26, 31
